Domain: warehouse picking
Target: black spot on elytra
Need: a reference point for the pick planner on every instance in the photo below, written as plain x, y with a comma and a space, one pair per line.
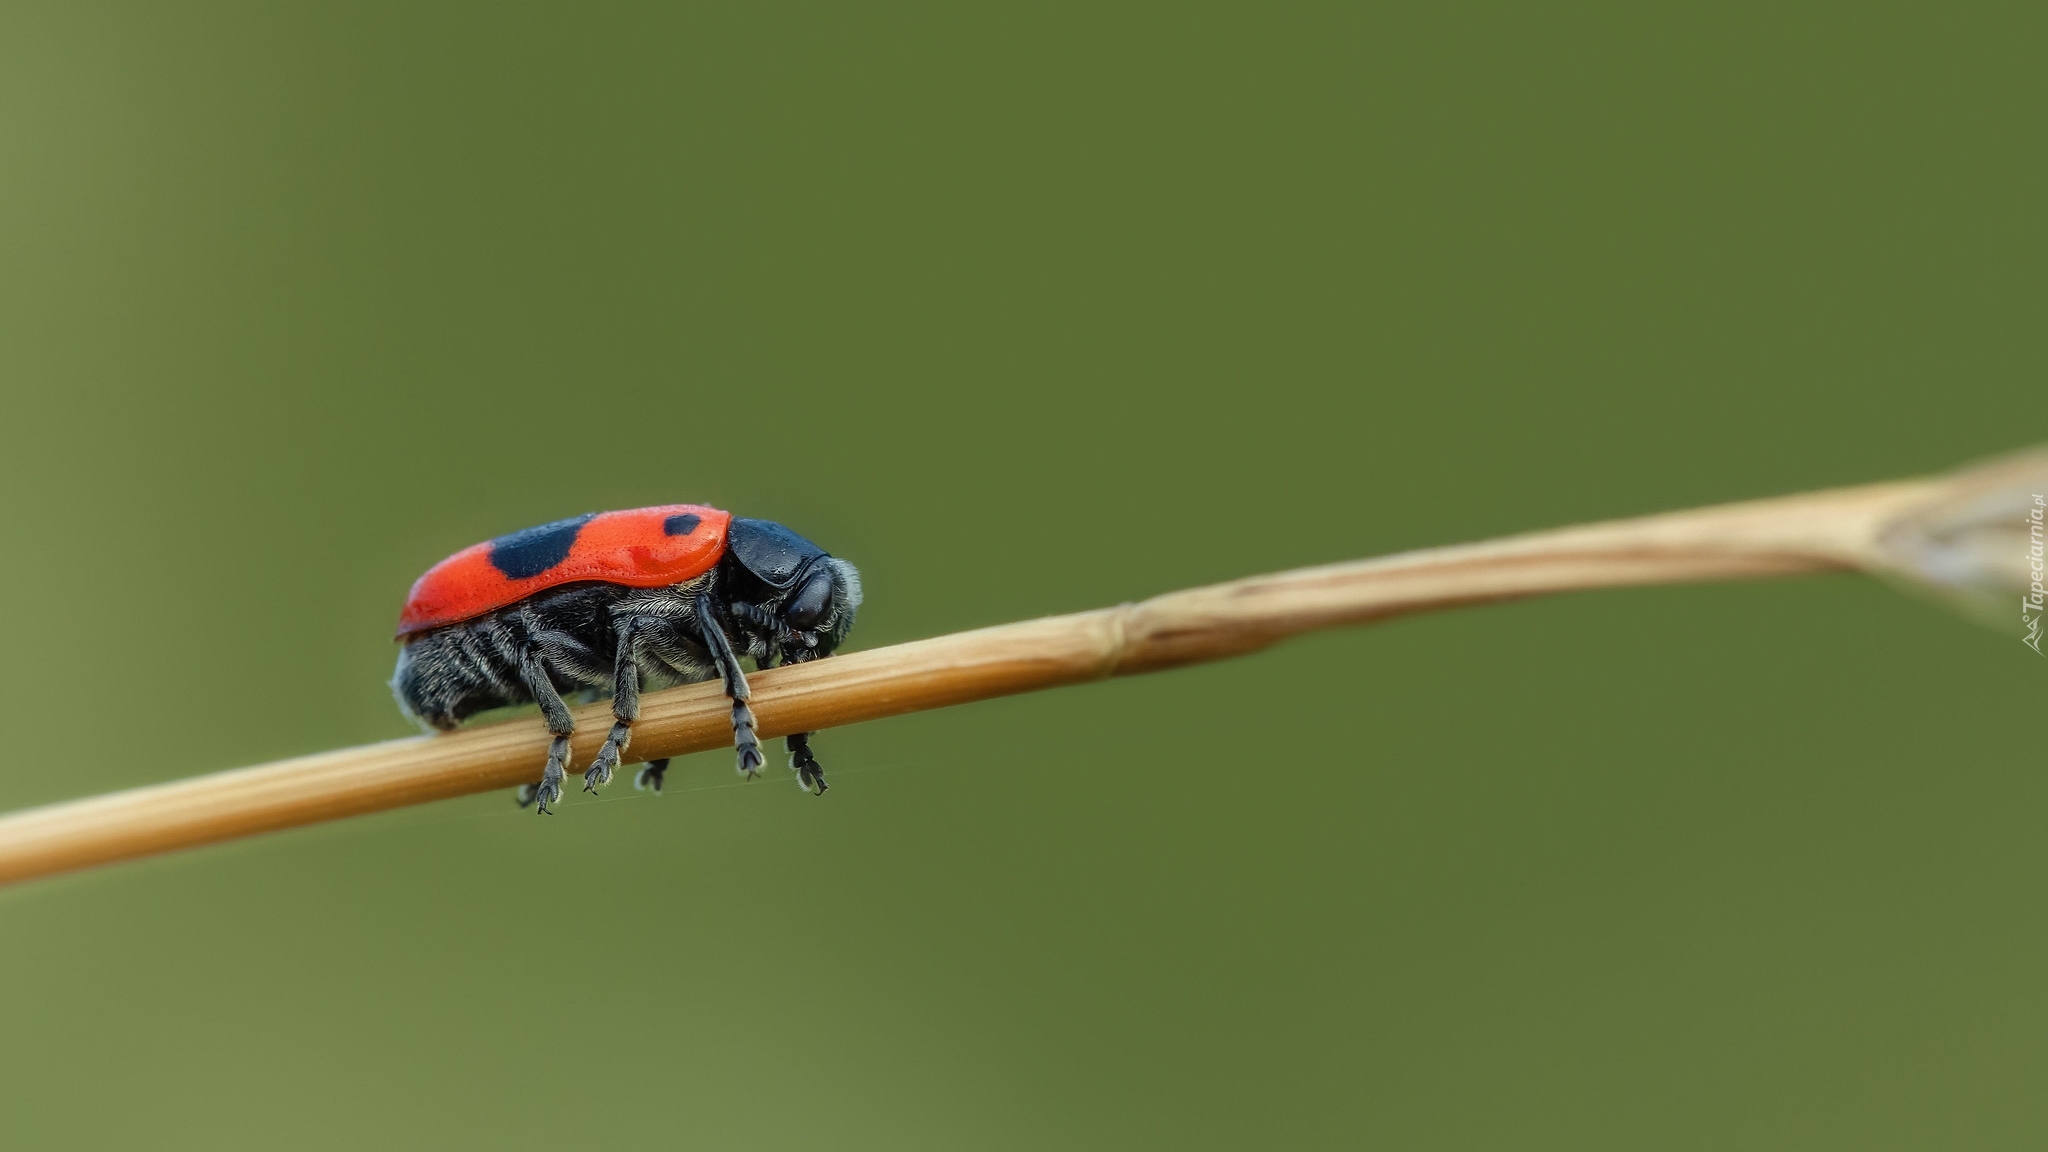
535, 550
681, 524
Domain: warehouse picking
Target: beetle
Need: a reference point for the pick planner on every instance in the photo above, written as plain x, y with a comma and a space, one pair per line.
609, 603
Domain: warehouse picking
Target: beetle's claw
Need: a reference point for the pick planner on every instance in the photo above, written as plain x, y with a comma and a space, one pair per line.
649, 778
542, 794
599, 773
549, 790
810, 775
747, 744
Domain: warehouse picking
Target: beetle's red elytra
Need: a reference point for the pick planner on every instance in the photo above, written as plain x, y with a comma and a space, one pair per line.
639, 548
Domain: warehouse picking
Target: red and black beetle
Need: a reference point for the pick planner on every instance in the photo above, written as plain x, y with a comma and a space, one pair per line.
608, 603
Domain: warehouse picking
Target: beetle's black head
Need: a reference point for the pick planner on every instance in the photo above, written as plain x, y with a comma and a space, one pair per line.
792, 599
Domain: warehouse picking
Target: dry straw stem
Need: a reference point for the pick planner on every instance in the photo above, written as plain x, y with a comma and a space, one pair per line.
1848, 528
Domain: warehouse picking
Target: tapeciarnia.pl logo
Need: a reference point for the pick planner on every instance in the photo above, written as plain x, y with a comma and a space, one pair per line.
2035, 600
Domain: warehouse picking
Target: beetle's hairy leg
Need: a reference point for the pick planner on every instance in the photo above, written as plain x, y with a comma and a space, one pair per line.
533, 672
810, 775
748, 745
625, 706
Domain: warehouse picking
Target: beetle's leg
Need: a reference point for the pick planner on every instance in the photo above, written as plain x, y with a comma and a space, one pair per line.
759, 632
534, 673
651, 774
625, 706
764, 650
810, 776
743, 738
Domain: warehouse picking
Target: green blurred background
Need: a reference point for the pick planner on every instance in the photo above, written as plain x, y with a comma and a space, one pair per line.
1026, 310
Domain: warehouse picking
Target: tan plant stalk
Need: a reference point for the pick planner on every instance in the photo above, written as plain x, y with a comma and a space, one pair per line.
1964, 534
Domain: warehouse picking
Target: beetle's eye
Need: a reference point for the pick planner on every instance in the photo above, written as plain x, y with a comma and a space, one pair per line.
807, 607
